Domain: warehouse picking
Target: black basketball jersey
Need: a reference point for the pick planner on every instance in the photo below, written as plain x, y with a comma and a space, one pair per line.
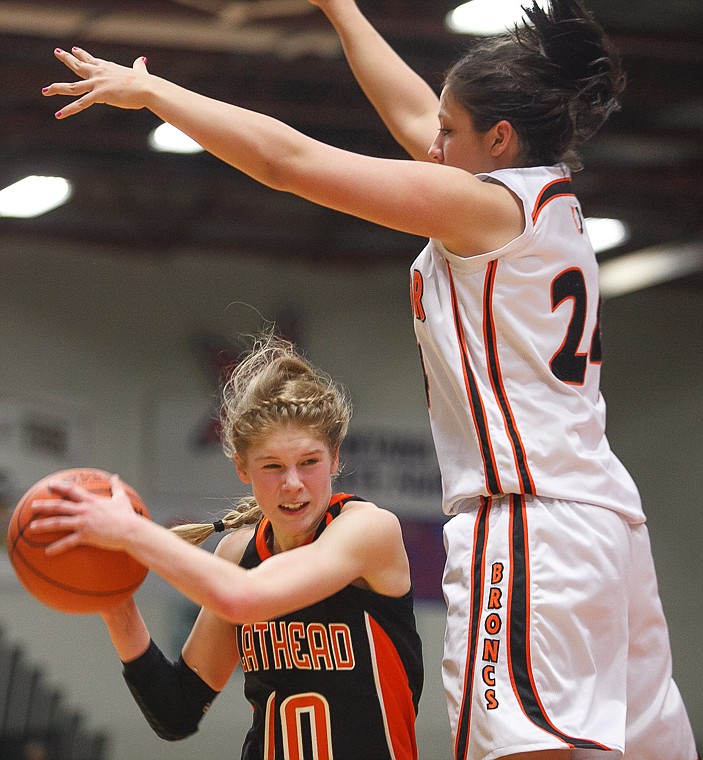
339, 680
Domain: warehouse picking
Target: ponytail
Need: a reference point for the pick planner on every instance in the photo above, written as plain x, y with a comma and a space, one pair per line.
556, 80
584, 59
247, 512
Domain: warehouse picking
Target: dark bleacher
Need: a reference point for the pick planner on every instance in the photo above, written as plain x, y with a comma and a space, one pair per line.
36, 721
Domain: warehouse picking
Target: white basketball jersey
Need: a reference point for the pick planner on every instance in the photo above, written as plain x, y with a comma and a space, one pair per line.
510, 346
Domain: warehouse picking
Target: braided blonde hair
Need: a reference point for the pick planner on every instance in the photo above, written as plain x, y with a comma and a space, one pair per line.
273, 385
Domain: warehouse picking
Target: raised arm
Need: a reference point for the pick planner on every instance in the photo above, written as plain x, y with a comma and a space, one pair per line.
427, 199
405, 102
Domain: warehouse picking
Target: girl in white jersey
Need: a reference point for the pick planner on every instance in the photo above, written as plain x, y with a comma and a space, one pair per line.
556, 646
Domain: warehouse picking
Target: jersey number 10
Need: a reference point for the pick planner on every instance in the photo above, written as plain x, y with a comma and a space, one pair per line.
296, 711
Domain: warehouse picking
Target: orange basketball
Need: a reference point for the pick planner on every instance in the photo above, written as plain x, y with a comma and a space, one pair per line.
83, 579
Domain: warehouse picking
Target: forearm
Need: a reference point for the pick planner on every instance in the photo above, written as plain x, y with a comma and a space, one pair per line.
254, 143
405, 102
206, 580
127, 629
282, 158
172, 697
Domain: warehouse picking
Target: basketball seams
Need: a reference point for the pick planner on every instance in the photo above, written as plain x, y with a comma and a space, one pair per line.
73, 589
84, 579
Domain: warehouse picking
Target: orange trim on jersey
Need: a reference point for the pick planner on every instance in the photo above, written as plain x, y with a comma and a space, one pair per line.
518, 646
270, 723
394, 694
262, 547
264, 526
522, 468
478, 411
478, 577
340, 498
558, 188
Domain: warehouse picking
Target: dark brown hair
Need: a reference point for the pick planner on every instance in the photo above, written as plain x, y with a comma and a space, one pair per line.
556, 80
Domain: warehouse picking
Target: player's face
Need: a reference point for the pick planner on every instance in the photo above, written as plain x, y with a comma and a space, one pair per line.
290, 473
458, 143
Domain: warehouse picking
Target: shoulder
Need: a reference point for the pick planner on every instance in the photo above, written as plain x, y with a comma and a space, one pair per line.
529, 182
374, 536
369, 523
231, 547
483, 215
511, 197
369, 512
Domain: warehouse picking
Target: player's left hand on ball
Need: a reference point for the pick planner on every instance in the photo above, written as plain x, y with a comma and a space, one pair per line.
100, 82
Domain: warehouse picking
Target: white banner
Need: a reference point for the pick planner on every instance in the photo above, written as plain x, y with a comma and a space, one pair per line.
38, 438
394, 467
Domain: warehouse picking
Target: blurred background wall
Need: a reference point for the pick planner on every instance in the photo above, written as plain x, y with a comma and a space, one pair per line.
109, 349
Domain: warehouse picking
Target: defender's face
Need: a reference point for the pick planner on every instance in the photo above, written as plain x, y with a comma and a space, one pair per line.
458, 143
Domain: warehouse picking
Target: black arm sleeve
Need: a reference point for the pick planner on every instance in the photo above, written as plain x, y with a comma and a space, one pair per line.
172, 697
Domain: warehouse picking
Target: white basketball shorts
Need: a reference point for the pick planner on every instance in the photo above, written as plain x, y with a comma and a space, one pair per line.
556, 637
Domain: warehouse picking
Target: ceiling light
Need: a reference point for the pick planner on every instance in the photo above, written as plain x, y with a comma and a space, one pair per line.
167, 139
648, 267
33, 196
486, 17
606, 233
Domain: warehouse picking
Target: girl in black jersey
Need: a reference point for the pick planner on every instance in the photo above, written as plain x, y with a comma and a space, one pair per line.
311, 595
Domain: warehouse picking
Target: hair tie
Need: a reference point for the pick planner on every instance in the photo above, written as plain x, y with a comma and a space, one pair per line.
219, 526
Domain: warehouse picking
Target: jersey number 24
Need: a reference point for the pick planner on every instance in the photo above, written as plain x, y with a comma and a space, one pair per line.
568, 364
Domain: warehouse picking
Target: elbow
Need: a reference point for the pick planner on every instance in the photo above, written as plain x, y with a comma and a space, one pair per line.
172, 735
235, 605
175, 723
238, 614
278, 176
285, 171
244, 605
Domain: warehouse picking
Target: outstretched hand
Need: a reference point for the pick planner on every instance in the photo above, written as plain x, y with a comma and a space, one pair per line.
87, 517
100, 82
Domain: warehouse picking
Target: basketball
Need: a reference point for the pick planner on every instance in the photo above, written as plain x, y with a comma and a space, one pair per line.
83, 579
